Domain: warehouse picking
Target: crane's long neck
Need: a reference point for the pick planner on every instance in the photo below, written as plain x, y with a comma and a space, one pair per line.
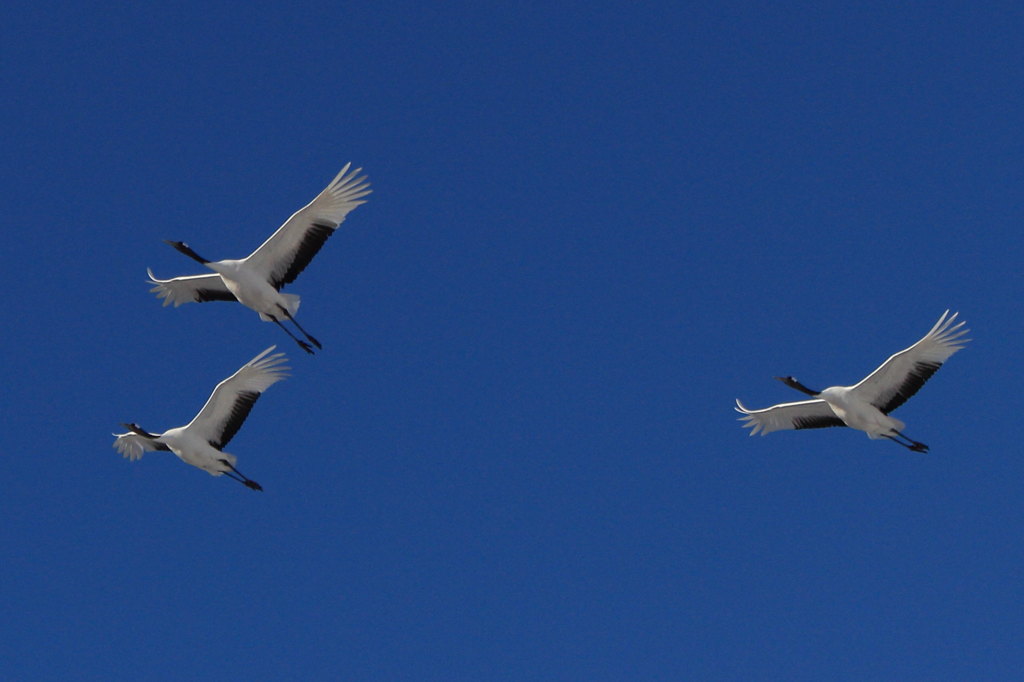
187, 250
136, 429
793, 383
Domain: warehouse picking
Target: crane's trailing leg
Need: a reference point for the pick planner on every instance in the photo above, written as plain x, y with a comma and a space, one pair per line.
302, 344
916, 446
913, 445
296, 323
233, 477
241, 478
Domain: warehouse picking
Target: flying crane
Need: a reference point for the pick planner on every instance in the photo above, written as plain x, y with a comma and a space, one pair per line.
256, 280
866, 405
201, 441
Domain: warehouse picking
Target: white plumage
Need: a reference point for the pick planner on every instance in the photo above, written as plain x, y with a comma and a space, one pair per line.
256, 280
866, 405
200, 442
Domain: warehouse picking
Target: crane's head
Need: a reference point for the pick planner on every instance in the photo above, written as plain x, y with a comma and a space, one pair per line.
793, 383
187, 250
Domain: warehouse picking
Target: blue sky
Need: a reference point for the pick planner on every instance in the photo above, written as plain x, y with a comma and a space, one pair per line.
593, 226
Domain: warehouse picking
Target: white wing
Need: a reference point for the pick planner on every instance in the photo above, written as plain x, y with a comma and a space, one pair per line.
132, 445
289, 250
231, 401
806, 414
904, 373
198, 288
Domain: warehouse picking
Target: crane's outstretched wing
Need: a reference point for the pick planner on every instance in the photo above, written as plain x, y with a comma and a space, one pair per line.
289, 250
231, 401
198, 288
806, 414
132, 445
904, 373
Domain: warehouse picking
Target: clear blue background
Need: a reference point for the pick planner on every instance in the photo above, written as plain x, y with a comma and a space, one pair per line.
593, 226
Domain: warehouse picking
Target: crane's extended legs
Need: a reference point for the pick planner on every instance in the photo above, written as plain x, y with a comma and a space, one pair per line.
296, 323
302, 344
911, 444
240, 477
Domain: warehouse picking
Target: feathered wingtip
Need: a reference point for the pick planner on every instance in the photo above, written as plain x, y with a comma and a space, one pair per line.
948, 333
350, 188
160, 289
128, 445
749, 421
271, 364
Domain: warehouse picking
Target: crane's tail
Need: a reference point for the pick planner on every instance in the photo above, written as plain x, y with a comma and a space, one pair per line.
291, 302
891, 424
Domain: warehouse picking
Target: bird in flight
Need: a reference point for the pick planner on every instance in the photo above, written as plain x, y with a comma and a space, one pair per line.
256, 280
866, 405
201, 441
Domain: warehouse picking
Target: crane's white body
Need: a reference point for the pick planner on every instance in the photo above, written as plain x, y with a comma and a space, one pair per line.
193, 449
858, 413
253, 290
256, 280
200, 441
866, 405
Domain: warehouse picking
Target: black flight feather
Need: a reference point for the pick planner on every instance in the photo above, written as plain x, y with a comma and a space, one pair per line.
312, 241
239, 411
204, 295
915, 379
816, 422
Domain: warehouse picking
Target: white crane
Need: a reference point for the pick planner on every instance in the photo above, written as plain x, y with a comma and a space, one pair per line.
866, 406
256, 280
200, 442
